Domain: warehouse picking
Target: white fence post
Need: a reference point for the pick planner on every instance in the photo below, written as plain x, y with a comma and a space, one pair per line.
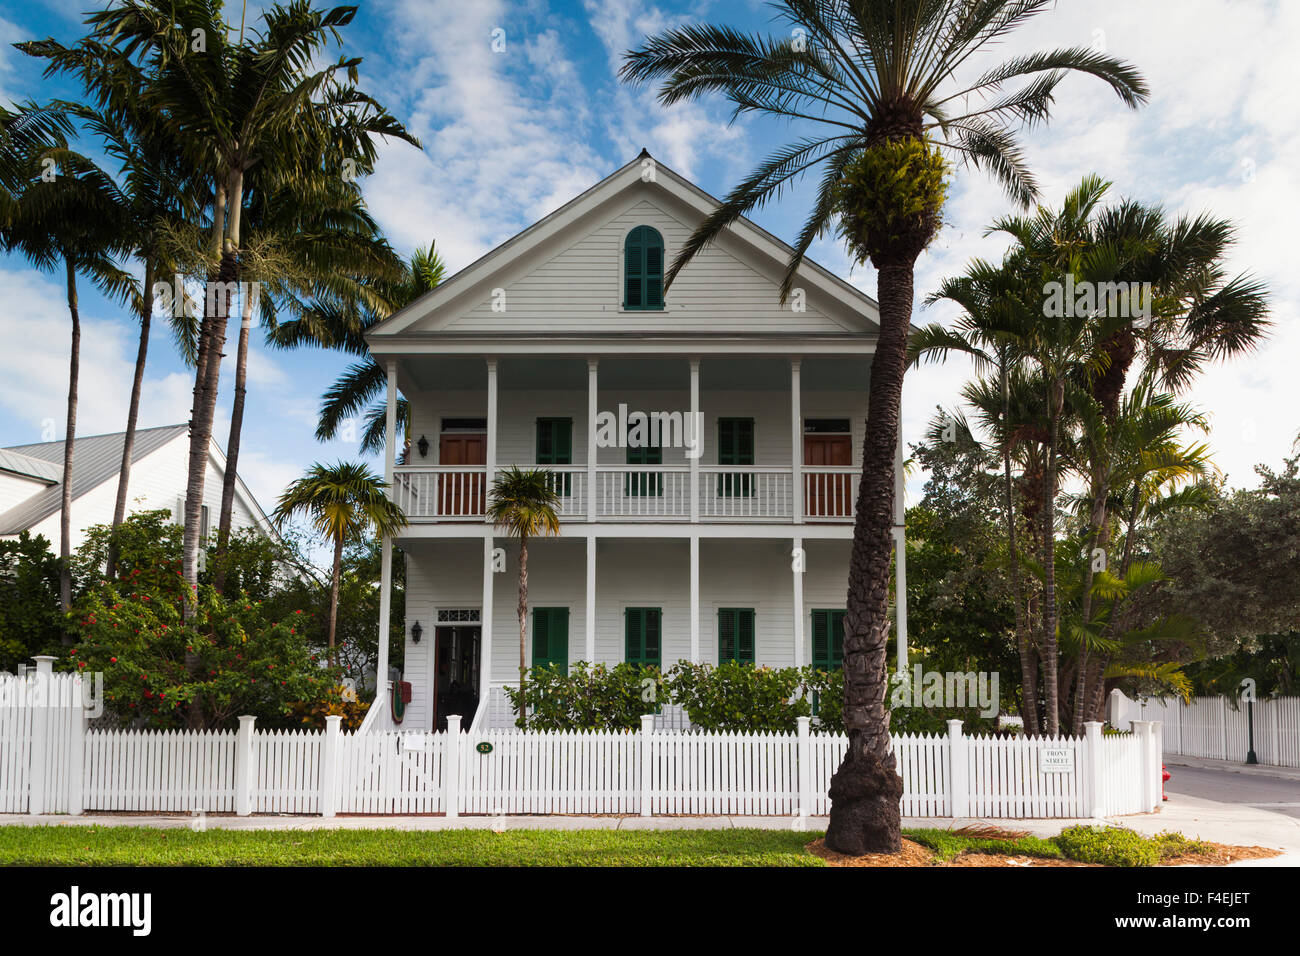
1142, 733
77, 749
452, 745
329, 766
804, 757
1157, 764
1092, 761
647, 731
244, 766
959, 793
1223, 728
41, 703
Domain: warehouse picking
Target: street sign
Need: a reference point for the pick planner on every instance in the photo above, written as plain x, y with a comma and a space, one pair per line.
1056, 760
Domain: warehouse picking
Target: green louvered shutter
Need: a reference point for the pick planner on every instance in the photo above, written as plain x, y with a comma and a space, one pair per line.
644, 484
643, 269
642, 629
555, 447
551, 637
735, 447
828, 639
736, 634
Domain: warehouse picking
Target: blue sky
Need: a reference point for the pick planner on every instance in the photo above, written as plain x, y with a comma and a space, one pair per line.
510, 135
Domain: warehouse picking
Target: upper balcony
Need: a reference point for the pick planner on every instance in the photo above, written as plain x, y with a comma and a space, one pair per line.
643, 492
650, 438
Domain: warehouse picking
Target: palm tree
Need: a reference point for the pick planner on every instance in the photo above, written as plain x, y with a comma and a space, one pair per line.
241, 109
69, 220
523, 503
343, 502
878, 81
331, 322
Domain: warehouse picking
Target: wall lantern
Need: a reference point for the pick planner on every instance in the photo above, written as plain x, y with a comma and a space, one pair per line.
416, 632
423, 445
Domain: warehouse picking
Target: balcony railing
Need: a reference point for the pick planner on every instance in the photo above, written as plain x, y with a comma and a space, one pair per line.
640, 492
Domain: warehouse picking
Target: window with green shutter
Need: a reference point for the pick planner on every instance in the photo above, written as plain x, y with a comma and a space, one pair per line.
551, 637
555, 447
642, 630
828, 639
644, 484
643, 269
736, 634
735, 447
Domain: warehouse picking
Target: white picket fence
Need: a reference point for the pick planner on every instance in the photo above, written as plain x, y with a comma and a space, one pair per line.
1213, 727
49, 763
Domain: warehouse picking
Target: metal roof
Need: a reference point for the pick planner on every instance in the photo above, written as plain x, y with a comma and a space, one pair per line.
97, 459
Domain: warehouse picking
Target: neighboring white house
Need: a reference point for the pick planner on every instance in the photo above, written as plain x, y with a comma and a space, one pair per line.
539, 354
31, 483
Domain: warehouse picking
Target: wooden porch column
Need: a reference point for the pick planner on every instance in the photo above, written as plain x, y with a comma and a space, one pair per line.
697, 432
695, 599
591, 599
386, 545
796, 444
490, 458
592, 391
796, 563
900, 556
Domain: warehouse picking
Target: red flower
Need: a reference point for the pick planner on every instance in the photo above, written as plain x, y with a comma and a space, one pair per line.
112, 660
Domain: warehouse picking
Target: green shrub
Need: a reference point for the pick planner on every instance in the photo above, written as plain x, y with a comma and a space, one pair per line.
1109, 846
589, 698
30, 617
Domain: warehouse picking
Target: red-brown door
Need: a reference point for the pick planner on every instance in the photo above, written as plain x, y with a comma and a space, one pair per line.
828, 495
462, 494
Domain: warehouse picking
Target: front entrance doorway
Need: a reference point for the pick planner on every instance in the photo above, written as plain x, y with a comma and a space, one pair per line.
455, 670
463, 442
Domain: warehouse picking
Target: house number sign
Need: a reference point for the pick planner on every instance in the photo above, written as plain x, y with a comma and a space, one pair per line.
484, 748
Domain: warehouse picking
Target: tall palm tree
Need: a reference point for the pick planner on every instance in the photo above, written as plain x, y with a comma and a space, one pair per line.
523, 502
158, 193
885, 87
332, 322
67, 220
343, 502
243, 108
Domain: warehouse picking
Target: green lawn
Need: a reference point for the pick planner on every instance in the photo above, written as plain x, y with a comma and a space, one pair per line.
137, 846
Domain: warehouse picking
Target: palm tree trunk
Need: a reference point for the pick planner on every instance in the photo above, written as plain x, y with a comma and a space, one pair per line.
1028, 666
1049, 642
865, 790
69, 442
232, 446
1100, 538
133, 413
523, 627
335, 578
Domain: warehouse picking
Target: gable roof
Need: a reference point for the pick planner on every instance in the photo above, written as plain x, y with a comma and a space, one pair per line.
98, 458
626, 177
28, 467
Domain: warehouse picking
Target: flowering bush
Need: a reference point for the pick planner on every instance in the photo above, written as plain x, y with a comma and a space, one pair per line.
227, 660
590, 698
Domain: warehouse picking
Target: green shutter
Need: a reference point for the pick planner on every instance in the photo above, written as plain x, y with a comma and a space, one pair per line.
642, 630
555, 447
735, 447
736, 634
828, 639
644, 484
551, 637
643, 269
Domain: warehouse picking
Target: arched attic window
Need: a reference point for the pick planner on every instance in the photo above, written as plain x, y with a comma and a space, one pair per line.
643, 269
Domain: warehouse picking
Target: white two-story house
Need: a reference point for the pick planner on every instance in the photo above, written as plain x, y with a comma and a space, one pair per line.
560, 349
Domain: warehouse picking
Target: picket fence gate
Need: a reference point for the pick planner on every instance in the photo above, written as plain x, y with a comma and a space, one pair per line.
50, 763
1215, 727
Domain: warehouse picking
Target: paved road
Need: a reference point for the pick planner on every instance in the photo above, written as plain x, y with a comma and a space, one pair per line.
1279, 794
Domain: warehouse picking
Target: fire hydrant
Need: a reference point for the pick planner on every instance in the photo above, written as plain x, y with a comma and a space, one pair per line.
1165, 775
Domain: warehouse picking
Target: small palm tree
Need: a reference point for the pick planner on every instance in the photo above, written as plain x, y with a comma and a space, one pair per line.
343, 502
523, 503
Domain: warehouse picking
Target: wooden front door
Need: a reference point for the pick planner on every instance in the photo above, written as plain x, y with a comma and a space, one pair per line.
462, 494
828, 495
